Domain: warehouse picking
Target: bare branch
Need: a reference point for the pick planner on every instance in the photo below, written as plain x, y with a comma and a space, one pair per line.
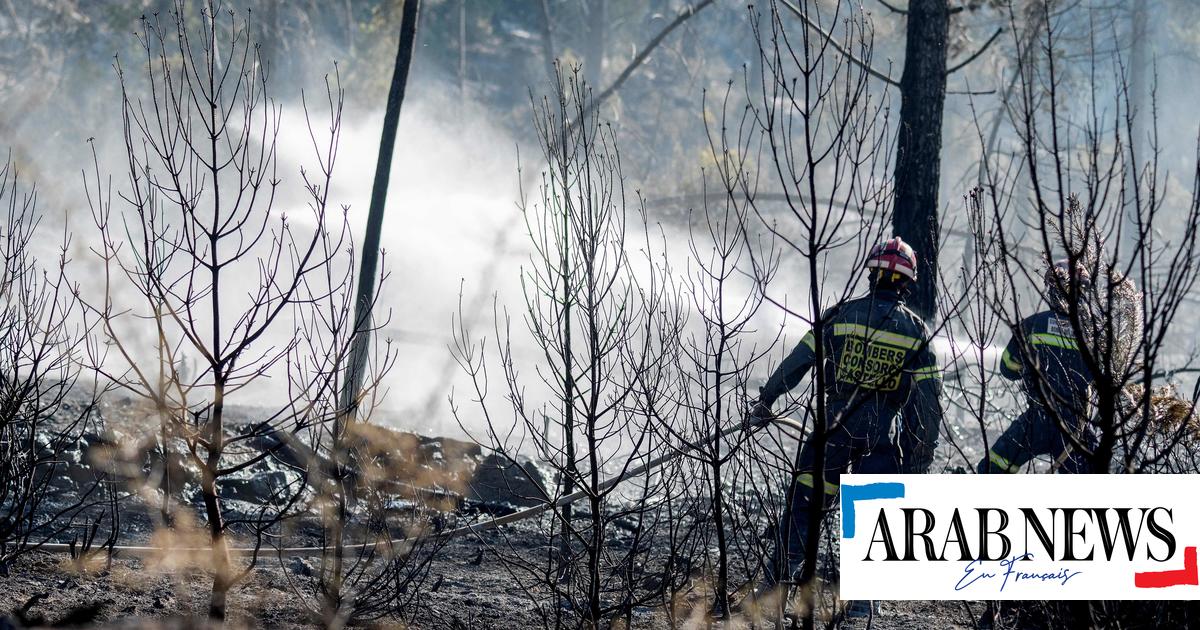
965, 62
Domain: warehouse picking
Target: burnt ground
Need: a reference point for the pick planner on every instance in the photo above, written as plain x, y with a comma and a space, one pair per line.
463, 591
470, 582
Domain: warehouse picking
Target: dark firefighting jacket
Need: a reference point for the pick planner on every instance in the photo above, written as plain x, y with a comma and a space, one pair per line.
1045, 356
878, 363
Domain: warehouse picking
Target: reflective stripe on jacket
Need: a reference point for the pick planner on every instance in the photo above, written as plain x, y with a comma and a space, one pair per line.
1044, 354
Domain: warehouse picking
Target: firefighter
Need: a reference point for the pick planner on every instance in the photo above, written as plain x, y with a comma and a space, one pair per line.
1044, 354
877, 363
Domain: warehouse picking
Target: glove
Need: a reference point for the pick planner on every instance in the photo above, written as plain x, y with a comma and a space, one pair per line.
759, 413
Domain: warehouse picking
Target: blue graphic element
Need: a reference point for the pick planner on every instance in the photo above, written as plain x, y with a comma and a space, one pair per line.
850, 494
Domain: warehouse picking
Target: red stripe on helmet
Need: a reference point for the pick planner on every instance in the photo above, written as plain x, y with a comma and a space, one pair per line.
894, 255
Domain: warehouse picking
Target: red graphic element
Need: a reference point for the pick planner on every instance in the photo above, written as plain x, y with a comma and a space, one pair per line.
1188, 575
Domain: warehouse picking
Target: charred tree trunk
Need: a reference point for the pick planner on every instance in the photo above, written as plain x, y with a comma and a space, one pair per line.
370, 250
918, 153
365, 299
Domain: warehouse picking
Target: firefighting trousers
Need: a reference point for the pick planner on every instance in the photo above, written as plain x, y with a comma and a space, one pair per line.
1036, 432
864, 447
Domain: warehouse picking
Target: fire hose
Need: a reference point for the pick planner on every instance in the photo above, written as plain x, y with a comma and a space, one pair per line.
751, 426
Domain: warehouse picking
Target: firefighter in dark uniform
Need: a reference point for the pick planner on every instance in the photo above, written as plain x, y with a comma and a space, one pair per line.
1044, 354
878, 363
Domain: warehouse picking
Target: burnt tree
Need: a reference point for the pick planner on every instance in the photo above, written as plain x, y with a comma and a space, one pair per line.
918, 151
